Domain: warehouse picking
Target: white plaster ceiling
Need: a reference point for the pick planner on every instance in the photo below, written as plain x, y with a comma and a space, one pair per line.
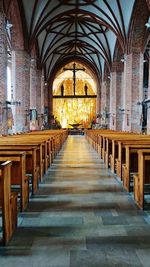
77, 28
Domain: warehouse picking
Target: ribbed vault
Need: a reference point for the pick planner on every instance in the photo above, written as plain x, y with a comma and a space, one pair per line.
74, 29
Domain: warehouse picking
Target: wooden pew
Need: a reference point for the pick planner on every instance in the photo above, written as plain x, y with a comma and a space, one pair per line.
32, 161
142, 177
95, 138
115, 141
32, 141
54, 139
57, 138
46, 142
131, 163
41, 146
8, 203
137, 144
47, 152
18, 174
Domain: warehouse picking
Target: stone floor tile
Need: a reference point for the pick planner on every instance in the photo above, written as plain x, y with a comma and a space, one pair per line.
88, 258
81, 216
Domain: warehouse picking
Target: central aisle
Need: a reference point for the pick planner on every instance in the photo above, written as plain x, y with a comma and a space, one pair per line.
81, 217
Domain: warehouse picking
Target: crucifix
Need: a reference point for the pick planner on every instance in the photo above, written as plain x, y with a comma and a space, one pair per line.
74, 69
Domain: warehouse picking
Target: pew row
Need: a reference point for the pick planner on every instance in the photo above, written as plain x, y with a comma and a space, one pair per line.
19, 179
33, 156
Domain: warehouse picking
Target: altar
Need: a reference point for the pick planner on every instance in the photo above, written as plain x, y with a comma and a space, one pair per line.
75, 130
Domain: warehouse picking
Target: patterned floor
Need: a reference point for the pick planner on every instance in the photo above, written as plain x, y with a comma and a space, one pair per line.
81, 217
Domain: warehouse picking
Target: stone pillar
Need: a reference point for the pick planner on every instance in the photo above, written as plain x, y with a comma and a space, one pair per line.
3, 72
133, 92
21, 86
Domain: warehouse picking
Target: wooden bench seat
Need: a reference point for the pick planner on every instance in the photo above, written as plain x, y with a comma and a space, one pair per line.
123, 147
39, 144
131, 163
31, 140
47, 146
58, 137
142, 178
32, 161
115, 149
18, 174
8, 203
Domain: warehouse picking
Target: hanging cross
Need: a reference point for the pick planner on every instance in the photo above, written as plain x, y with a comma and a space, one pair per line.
74, 69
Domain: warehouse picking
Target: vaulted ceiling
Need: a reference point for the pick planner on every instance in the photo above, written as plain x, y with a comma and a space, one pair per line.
71, 29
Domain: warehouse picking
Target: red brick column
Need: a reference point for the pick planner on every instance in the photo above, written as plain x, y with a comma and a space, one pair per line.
39, 97
21, 86
33, 83
113, 100
103, 96
105, 101
35, 93
133, 91
119, 101
45, 88
50, 102
42, 93
46, 100
116, 96
127, 88
148, 105
3, 73
98, 99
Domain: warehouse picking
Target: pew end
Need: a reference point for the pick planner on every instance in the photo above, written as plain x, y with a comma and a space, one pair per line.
8, 203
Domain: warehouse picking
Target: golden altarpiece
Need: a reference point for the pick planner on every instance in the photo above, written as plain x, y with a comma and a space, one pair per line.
74, 100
